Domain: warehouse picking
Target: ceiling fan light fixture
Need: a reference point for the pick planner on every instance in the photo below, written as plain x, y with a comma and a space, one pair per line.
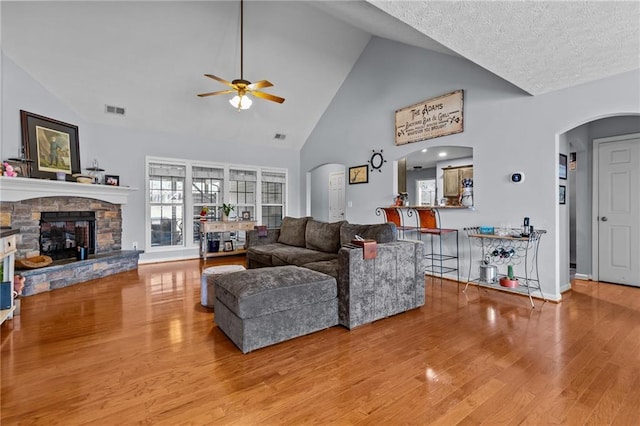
241, 102
240, 85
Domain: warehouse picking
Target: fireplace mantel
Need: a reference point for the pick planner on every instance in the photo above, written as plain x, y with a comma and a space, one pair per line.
17, 189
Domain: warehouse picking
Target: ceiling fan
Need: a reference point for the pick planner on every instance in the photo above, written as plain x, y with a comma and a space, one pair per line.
241, 86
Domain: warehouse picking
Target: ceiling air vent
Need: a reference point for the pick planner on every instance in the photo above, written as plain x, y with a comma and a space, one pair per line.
110, 109
280, 136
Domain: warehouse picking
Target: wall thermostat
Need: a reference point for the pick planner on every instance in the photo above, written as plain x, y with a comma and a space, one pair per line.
517, 177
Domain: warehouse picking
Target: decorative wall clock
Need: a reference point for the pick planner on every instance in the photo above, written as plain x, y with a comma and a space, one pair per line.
376, 161
358, 174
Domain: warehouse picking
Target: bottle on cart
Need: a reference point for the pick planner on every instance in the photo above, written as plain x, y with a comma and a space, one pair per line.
526, 228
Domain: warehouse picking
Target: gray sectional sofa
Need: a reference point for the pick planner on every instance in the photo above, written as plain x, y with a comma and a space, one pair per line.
367, 289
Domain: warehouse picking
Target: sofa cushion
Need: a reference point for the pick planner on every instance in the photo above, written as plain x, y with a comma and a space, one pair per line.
292, 231
381, 232
323, 236
288, 255
329, 267
262, 254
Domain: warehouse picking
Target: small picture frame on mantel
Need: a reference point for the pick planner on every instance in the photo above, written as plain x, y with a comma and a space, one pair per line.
112, 180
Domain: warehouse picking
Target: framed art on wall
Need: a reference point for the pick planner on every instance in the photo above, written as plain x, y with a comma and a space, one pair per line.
51, 145
358, 174
563, 194
562, 171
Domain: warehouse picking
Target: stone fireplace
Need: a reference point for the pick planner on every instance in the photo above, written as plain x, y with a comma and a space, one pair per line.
27, 215
68, 214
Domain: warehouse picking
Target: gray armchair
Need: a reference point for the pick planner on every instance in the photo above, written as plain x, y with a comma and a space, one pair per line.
372, 289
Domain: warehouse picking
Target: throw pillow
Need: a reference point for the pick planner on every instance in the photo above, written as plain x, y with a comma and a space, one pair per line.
323, 236
292, 231
262, 230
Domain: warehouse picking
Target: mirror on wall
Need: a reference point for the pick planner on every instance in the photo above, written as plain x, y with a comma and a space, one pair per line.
437, 176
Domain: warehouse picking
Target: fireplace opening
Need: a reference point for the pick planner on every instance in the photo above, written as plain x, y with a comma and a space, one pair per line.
62, 233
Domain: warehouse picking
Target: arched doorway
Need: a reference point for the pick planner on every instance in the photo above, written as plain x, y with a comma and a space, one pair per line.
577, 218
326, 192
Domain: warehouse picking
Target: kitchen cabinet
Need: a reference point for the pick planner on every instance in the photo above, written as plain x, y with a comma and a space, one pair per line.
452, 180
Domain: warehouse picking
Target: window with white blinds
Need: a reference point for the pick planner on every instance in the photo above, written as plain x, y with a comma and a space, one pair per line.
273, 198
166, 204
207, 194
255, 193
242, 192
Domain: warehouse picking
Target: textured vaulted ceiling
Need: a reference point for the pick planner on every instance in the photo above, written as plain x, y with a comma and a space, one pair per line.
150, 56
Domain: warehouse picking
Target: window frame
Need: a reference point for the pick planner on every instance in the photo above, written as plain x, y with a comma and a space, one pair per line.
284, 192
188, 240
149, 204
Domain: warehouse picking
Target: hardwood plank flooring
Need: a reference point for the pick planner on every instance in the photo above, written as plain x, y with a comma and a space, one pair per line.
137, 348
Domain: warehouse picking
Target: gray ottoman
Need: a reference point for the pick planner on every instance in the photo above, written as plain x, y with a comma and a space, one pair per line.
260, 307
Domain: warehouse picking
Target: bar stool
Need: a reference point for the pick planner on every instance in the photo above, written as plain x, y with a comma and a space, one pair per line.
429, 224
395, 216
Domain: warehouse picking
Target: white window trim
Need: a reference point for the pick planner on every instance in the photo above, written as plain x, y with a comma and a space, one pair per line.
147, 220
285, 195
188, 242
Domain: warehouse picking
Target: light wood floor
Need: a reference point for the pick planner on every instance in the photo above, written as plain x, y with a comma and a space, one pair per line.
138, 348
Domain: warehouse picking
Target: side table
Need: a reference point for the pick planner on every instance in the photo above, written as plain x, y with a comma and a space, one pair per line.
511, 249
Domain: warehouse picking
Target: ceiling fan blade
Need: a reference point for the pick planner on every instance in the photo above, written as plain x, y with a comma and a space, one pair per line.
267, 96
259, 85
221, 92
221, 80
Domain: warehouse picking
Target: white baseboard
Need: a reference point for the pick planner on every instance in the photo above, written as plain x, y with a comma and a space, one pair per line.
564, 288
582, 277
168, 256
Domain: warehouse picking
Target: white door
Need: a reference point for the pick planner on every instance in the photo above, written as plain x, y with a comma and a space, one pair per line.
336, 197
618, 214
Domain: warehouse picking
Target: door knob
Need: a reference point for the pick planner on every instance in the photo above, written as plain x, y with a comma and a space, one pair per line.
604, 218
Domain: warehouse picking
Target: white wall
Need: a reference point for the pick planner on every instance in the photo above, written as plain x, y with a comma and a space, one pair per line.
121, 151
563, 224
580, 203
508, 129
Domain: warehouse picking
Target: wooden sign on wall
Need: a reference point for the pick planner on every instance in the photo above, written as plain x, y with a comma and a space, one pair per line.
432, 118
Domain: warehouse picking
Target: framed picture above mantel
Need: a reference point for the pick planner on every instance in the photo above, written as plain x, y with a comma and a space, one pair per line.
51, 145
435, 117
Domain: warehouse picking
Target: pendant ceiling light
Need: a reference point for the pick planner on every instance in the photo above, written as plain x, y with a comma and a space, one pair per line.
241, 87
